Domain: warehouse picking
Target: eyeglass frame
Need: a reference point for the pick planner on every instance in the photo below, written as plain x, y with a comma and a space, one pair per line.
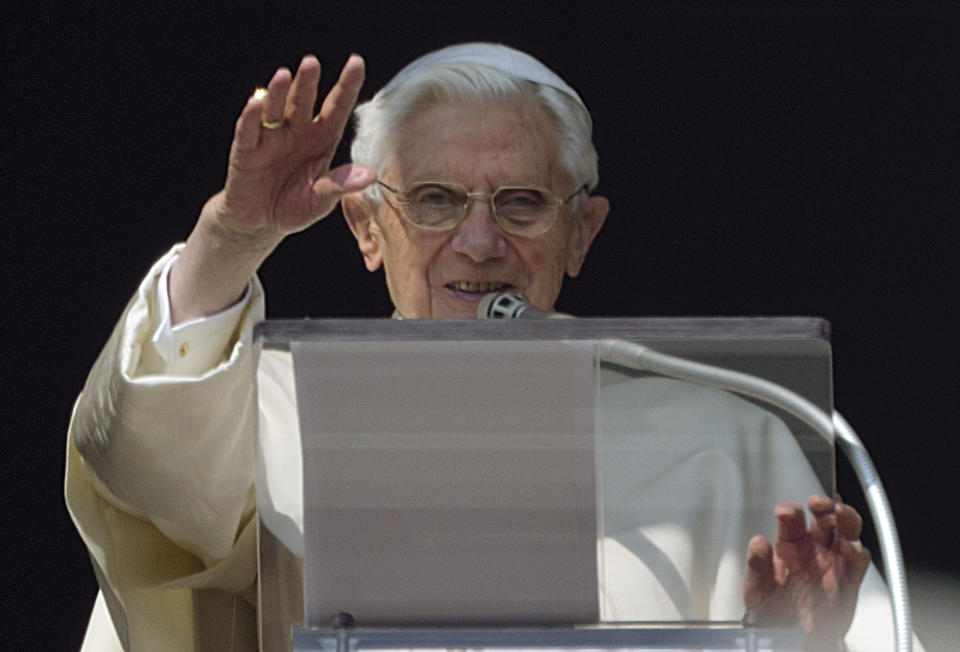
557, 202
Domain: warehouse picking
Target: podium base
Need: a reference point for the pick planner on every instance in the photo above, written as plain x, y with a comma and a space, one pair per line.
682, 637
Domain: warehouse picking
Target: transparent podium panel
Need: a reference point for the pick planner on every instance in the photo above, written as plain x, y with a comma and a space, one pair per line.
527, 476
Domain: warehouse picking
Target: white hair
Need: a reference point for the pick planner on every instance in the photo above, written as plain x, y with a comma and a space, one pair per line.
377, 121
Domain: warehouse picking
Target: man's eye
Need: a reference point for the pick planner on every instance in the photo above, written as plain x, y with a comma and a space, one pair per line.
435, 197
521, 200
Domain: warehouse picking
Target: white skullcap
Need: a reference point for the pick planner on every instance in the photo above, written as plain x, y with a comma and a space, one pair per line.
494, 55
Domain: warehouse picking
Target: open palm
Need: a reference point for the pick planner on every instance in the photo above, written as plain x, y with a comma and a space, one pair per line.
279, 180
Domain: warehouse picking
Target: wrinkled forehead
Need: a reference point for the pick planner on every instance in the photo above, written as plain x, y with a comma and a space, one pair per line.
479, 144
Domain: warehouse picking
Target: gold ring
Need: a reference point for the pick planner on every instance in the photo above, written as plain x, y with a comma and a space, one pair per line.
260, 94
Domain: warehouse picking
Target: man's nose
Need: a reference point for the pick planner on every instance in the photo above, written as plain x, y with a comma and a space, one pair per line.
479, 236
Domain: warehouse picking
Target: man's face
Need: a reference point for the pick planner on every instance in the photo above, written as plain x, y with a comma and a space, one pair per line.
445, 274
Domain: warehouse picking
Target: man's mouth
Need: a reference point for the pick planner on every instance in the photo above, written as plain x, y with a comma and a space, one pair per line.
477, 287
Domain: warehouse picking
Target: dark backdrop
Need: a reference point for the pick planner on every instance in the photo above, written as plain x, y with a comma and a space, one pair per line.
761, 158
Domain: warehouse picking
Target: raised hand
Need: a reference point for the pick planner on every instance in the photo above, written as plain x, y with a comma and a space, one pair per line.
808, 577
279, 181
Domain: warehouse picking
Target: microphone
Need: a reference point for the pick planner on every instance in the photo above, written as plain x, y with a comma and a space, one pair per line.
512, 305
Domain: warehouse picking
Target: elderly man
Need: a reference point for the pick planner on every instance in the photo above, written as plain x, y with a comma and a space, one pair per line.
472, 171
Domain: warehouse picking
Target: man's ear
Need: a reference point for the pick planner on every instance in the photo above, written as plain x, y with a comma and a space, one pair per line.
358, 211
584, 230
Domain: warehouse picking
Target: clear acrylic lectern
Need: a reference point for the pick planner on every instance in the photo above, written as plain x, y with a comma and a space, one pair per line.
504, 484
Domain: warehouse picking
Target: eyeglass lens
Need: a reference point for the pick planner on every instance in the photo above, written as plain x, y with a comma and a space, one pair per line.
517, 209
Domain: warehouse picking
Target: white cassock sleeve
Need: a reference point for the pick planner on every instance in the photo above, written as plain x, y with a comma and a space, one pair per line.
159, 482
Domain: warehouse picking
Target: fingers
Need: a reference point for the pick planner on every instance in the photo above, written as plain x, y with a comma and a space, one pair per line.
303, 91
857, 559
291, 99
824, 523
351, 177
328, 189
833, 519
275, 99
759, 577
247, 130
339, 102
791, 522
793, 543
830, 519
261, 108
849, 523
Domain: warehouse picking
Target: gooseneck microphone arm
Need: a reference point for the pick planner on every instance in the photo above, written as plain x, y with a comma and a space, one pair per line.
513, 305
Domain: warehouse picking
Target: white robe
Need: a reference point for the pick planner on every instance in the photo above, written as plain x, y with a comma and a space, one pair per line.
160, 468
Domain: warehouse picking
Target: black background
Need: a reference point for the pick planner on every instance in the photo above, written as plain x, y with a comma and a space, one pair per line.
765, 158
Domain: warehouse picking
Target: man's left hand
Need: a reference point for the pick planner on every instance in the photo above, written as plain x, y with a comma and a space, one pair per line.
808, 577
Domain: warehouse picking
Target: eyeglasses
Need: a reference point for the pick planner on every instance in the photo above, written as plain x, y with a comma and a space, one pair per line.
439, 206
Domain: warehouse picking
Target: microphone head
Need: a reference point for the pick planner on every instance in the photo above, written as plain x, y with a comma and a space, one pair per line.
502, 305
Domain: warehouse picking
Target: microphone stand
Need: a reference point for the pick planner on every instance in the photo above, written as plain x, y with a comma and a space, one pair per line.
513, 305
641, 358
